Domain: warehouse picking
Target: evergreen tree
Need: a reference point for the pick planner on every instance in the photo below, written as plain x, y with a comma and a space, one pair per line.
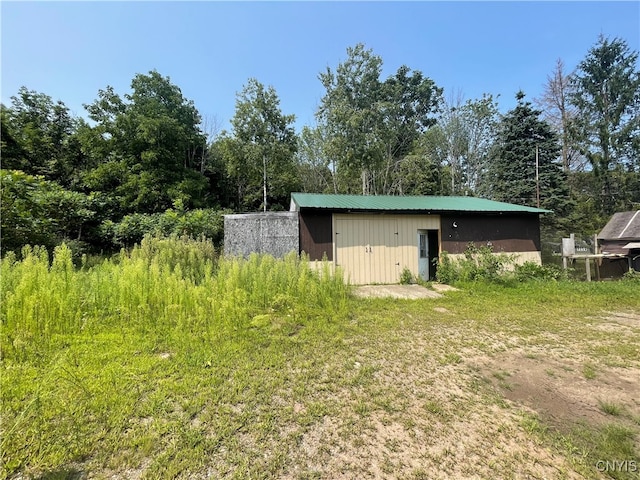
523, 137
606, 95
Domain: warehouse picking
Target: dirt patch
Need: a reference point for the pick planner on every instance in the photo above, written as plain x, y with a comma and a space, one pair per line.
558, 389
442, 398
618, 322
420, 418
438, 397
441, 310
435, 409
441, 287
395, 291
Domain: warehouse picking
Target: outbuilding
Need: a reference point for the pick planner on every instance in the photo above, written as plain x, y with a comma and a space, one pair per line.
374, 238
619, 243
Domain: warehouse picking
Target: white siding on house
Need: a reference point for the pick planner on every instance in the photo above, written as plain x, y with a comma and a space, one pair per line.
376, 248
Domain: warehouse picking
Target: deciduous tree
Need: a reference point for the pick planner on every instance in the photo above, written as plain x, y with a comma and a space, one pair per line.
38, 136
370, 124
561, 114
316, 172
145, 147
461, 141
264, 144
409, 101
350, 113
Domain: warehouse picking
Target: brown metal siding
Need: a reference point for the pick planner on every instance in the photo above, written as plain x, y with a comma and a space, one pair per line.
506, 233
614, 246
316, 238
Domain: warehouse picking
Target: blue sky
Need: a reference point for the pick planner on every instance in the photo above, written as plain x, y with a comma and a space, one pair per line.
70, 50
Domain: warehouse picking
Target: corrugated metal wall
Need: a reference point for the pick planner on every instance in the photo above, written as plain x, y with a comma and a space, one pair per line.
274, 233
506, 233
316, 237
376, 248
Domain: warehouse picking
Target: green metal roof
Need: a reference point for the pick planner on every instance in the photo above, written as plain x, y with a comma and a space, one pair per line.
405, 203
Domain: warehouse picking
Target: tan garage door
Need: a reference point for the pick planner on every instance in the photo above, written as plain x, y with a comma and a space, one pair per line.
376, 248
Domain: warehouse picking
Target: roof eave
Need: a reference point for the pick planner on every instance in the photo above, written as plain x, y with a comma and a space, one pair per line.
432, 211
298, 201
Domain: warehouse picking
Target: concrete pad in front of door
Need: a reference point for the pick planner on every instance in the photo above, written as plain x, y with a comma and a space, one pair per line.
395, 291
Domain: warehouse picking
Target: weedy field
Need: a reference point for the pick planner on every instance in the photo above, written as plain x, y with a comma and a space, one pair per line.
166, 362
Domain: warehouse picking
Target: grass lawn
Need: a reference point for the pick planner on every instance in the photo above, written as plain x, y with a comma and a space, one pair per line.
267, 370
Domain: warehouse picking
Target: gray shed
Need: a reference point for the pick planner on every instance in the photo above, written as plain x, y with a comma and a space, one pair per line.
623, 228
621, 236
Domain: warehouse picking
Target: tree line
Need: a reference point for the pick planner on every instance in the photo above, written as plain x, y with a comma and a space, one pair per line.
147, 161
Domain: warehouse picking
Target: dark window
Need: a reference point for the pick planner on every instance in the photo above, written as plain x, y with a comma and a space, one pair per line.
423, 245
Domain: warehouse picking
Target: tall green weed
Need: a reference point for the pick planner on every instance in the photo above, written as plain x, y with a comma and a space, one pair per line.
80, 344
161, 288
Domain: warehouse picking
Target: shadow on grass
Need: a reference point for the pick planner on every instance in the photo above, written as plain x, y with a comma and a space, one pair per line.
63, 474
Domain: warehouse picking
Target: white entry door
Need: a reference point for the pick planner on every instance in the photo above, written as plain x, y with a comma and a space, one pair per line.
423, 255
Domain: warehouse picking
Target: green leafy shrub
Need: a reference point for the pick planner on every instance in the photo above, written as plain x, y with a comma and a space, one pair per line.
132, 228
194, 223
205, 222
447, 272
39, 212
479, 263
406, 277
631, 276
532, 271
